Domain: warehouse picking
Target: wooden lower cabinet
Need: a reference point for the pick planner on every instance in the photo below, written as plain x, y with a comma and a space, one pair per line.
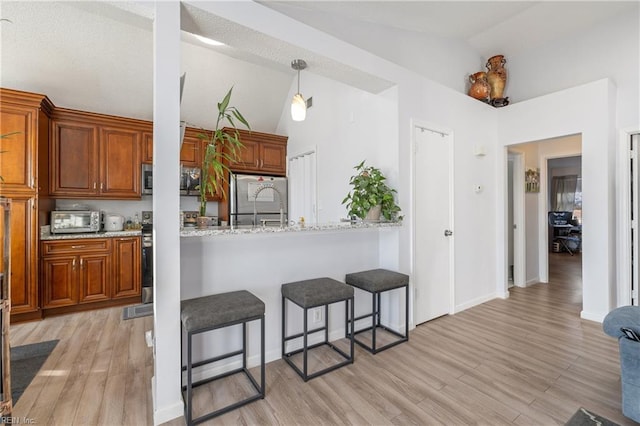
24, 278
127, 273
82, 272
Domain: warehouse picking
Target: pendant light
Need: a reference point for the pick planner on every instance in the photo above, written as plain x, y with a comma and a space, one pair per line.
298, 104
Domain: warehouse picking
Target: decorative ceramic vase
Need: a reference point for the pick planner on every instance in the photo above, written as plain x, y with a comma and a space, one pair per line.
496, 76
480, 88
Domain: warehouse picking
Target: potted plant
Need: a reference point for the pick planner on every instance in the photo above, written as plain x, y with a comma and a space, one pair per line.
222, 148
370, 196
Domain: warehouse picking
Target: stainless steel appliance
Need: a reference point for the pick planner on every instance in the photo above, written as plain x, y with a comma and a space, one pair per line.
147, 179
189, 180
74, 221
147, 257
257, 200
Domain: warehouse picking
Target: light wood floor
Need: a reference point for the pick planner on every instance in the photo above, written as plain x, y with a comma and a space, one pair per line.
526, 360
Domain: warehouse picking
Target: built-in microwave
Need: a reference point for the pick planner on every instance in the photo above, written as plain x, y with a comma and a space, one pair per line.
74, 221
147, 179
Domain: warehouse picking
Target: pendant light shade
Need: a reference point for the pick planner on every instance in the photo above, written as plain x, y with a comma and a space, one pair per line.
298, 104
298, 108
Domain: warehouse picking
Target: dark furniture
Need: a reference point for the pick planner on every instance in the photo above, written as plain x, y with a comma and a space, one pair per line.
376, 282
624, 324
564, 232
208, 313
310, 294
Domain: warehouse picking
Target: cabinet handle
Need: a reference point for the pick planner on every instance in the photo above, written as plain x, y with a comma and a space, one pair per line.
94, 185
77, 247
81, 263
74, 264
261, 163
101, 186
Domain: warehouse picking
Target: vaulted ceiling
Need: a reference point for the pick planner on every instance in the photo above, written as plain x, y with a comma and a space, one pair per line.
103, 50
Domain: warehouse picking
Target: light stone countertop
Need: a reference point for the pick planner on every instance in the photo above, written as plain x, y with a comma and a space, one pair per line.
46, 235
214, 231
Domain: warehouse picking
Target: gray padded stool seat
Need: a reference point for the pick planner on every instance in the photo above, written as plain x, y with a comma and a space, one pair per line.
376, 282
310, 294
212, 312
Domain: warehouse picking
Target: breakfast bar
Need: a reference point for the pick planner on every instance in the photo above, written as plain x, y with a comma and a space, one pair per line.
271, 256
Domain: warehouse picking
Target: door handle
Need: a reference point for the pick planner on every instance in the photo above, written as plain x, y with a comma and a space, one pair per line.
448, 233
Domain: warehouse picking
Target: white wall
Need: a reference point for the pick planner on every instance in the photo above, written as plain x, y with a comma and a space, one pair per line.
346, 126
588, 110
610, 49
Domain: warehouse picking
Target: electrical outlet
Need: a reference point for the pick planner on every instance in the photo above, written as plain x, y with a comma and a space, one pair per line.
317, 315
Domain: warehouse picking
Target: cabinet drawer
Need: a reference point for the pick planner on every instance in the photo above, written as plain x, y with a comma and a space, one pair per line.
76, 246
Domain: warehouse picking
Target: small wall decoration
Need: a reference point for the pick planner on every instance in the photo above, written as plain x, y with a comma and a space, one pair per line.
532, 180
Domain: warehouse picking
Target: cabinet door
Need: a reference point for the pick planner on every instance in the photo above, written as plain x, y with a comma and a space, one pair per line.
120, 163
190, 152
59, 281
17, 150
74, 159
24, 281
273, 158
147, 147
249, 158
94, 275
127, 276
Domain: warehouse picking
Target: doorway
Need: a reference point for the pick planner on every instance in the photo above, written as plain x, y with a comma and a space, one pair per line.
535, 240
516, 242
432, 222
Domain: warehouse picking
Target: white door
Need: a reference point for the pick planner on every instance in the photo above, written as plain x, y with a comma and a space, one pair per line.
433, 239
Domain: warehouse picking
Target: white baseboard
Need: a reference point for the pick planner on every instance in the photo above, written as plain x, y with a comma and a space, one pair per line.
477, 301
167, 413
593, 316
532, 281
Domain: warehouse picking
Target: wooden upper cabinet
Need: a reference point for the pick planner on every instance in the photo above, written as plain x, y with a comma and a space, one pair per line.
273, 158
261, 153
26, 116
18, 149
120, 163
190, 153
95, 156
147, 147
74, 159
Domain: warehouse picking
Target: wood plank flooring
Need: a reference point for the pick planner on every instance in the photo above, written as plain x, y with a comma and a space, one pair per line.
526, 360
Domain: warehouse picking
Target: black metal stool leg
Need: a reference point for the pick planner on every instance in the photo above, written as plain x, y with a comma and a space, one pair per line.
305, 344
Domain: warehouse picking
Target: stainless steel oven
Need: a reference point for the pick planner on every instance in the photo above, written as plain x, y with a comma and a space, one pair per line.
147, 257
147, 179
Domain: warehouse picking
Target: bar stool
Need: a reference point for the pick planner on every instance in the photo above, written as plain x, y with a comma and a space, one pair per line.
208, 313
310, 294
376, 282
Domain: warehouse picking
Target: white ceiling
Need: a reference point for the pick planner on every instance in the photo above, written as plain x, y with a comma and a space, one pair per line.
484, 27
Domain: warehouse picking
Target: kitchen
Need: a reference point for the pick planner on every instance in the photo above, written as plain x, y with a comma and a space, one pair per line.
197, 107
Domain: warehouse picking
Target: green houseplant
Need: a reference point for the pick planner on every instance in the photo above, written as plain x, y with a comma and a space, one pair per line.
222, 148
369, 191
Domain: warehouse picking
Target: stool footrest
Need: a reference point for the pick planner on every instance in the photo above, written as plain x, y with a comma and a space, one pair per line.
296, 336
348, 360
387, 329
402, 338
214, 359
259, 395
